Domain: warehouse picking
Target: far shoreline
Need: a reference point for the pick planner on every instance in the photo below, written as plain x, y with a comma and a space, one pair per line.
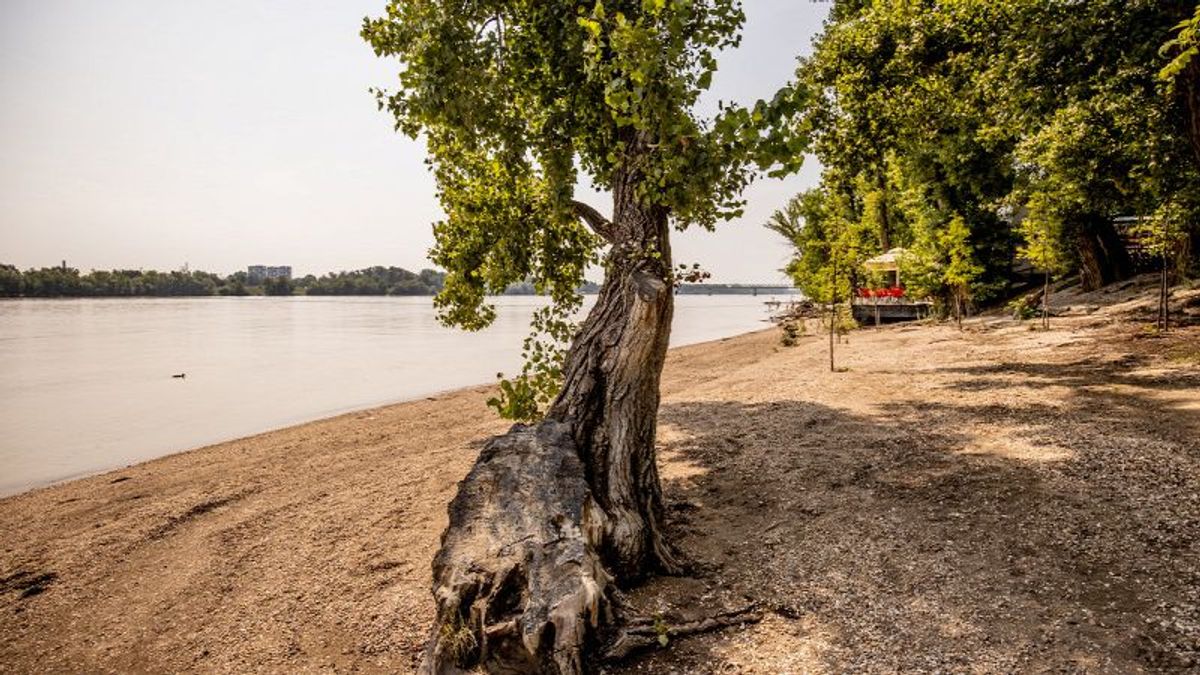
729, 289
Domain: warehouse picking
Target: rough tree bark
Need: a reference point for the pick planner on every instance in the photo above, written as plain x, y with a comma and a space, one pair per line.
885, 225
551, 517
1189, 89
610, 387
1103, 258
518, 585
1046, 301
1164, 295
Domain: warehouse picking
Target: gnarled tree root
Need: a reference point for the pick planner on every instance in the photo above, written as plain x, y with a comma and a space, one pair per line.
647, 633
518, 583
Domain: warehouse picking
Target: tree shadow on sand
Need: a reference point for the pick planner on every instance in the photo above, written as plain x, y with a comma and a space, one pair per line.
942, 536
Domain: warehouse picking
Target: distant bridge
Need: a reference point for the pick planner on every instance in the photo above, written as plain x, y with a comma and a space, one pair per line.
773, 288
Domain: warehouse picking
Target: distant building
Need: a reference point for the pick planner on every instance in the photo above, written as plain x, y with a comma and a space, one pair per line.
257, 273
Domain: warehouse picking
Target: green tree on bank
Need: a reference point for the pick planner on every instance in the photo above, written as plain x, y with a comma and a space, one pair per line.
58, 282
278, 286
1044, 248
517, 102
376, 281
1166, 231
947, 125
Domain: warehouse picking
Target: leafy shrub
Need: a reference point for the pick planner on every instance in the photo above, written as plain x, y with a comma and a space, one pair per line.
1025, 307
793, 330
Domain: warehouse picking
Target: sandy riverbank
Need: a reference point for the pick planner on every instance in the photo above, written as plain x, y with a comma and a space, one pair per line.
996, 499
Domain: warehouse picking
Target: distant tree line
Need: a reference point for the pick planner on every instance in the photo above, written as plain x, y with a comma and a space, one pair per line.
374, 281
68, 282
58, 282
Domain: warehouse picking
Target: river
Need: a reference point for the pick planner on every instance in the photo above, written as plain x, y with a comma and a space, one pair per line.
86, 385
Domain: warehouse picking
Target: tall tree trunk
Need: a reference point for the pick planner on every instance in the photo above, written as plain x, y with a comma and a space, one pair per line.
1189, 89
885, 225
1103, 258
1046, 301
610, 387
832, 305
1164, 294
832, 328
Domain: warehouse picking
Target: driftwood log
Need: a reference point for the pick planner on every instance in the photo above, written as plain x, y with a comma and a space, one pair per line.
518, 583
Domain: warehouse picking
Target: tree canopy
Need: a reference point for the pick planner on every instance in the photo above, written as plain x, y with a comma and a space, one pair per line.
1003, 128
519, 100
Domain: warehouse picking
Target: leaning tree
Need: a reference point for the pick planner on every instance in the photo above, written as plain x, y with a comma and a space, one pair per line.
516, 101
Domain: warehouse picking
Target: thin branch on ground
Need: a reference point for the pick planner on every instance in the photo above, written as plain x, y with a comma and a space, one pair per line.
647, 632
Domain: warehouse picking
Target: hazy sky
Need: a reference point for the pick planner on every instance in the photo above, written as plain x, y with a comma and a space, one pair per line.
223, 133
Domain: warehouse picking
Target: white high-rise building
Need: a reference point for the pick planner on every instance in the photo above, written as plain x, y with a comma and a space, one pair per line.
260, 272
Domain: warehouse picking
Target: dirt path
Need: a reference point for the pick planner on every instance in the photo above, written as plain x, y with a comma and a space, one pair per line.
998, 499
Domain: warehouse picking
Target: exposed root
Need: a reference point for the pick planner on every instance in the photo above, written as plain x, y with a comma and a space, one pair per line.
671, 561
650, 632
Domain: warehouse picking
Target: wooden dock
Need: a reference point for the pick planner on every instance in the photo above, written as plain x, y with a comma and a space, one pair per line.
868, 313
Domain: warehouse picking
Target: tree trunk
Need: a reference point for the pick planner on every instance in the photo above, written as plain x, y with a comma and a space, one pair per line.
1103, 258
1164, 296
885, 225
551, 516
1189, 88
1188, 85
832, 327
832, 306
518, 584
610, 388
1046, 301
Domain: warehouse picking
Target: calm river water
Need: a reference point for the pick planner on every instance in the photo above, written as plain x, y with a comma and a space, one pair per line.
85, 385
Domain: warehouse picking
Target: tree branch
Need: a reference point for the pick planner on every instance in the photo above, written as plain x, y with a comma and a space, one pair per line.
599, 224
645, 633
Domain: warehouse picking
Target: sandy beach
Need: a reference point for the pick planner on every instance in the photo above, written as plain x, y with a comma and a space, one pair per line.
994, 499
